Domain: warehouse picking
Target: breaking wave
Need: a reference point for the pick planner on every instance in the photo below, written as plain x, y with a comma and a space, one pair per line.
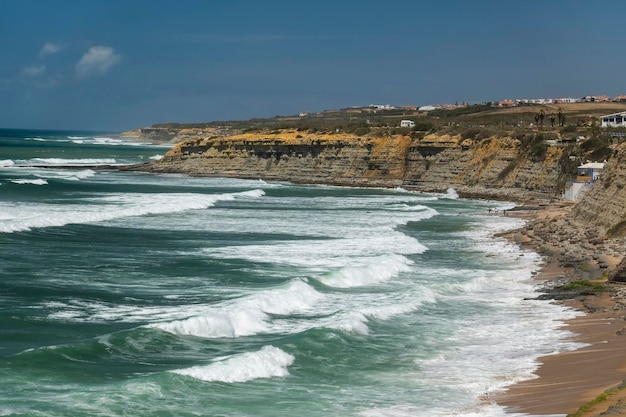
269, 362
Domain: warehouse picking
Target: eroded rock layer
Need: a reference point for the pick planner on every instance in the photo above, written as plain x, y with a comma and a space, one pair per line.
490, 167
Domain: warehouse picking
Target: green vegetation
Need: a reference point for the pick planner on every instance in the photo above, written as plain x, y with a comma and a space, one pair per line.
582, 286
597, 148
461, 111
617, 230
534, 144
587, 407
599, 399
508, 169
477, 133
424, 127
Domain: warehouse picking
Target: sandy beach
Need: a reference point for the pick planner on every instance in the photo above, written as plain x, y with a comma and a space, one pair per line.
593, 374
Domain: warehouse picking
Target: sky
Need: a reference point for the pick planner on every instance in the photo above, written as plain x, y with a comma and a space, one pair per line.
116, 65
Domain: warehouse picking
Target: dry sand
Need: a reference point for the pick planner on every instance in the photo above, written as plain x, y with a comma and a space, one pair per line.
569, 380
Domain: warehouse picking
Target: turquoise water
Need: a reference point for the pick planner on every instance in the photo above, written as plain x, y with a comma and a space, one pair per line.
131, 294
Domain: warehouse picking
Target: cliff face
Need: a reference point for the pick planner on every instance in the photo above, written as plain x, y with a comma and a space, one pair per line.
492, 167
499, 164
329, 159
604, 205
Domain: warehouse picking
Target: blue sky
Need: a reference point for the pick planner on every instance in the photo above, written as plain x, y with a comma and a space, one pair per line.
117, 65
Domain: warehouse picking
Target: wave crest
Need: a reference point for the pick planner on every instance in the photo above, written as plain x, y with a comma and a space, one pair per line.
380, 269
39, 181
268, 362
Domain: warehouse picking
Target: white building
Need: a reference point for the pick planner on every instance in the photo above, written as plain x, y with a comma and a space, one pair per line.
407, 123
567, 100
590, 171
614, 120
587, 174
427, 108
382, 106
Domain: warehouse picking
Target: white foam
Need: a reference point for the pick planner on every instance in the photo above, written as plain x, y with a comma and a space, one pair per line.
249, 194
82, 311
269, 362
485, 408
269, 311
5, 163
353, 322
63, 174
77, 161
32, 182
248, 315
327, 254
402, 306
107, 141
501, 313
377, 270
81, 175
451, 194
25, 216
229, 324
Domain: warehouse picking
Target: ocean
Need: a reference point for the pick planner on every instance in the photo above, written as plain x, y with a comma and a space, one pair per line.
135, 294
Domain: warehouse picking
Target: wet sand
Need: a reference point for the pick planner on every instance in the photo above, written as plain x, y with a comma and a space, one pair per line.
568, 380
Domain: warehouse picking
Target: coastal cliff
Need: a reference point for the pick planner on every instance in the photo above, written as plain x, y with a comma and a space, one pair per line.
288, 156
607, 197
495, 166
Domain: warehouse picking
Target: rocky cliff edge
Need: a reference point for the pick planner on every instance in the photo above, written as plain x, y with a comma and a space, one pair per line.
497, 167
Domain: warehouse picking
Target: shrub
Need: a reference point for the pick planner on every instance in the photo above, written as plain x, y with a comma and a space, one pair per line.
597, 148
423, 127
617, 230
538, 150
534, 145
581, 285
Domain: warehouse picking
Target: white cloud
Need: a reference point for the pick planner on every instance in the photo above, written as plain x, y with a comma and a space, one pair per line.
33, 70
50, 48
97, 61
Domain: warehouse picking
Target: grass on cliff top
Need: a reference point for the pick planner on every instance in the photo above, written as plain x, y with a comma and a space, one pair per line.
476, 114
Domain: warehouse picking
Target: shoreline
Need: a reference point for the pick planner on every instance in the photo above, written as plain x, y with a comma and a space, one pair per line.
569, 380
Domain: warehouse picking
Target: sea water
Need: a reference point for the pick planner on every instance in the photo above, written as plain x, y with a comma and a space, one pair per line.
133, 294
